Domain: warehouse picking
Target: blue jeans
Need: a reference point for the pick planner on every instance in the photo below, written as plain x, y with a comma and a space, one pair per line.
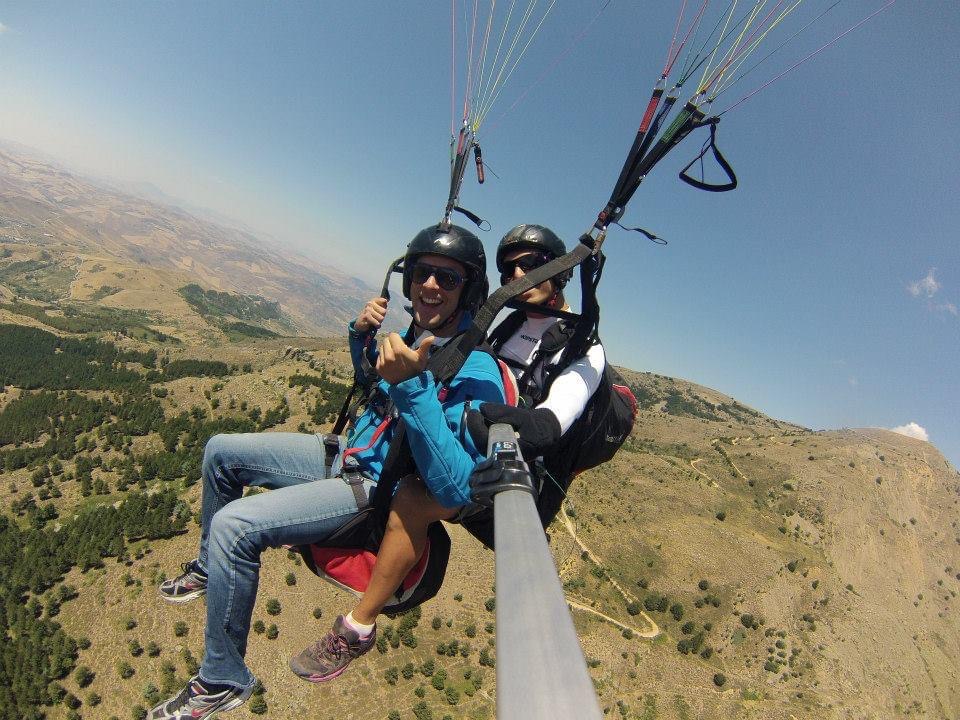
303, 506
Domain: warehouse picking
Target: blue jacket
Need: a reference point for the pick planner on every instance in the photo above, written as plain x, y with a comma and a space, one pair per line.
436, 431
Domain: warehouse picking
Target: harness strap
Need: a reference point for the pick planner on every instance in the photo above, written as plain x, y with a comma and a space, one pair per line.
355, 480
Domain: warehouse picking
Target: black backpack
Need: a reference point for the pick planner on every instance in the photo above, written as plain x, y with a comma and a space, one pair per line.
592, 440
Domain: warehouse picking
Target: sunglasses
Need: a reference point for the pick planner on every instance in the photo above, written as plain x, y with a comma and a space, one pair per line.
446, 278
526, 263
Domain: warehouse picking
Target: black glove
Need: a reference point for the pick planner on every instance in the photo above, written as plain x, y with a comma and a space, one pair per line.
538, 429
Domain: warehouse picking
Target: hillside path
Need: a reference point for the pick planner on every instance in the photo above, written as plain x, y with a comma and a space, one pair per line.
693, 464
654, 628
648, 634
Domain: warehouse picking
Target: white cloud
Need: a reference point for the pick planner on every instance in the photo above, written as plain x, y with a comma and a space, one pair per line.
948, 307
853, 382
3, 28
927, 287
911, 429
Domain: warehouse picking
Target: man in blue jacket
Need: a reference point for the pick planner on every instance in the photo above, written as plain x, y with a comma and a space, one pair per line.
445, 280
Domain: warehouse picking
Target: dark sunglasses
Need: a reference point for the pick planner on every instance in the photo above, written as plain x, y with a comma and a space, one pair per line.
446, 278
525, 262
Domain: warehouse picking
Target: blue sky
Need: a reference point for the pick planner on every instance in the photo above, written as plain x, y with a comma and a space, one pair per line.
824, 290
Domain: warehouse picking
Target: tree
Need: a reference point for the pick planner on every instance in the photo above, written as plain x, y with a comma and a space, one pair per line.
84, 676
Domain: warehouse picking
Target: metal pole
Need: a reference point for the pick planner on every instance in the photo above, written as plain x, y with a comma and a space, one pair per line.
541, 671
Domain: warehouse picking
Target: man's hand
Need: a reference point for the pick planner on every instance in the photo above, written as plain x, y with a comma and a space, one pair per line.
371, 317
538, 428
398, 362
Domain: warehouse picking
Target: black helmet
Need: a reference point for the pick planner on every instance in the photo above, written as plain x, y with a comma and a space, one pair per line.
534, 237
454, 242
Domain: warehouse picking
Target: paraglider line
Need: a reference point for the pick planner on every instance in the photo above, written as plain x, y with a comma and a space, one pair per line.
815, 52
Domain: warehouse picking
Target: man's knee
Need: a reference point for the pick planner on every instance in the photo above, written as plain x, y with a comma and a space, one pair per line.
231, 531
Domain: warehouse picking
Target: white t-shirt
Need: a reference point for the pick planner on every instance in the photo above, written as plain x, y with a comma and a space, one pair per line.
573, 388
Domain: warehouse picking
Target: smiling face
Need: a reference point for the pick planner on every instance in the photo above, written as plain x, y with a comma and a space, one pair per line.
537, 295
433, 305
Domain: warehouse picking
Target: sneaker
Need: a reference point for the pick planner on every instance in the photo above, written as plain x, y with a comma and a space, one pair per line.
195, 701
328, 657
189, 585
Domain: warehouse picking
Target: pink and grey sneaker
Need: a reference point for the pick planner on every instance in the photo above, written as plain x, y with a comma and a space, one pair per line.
329, 656
197, 701
190, 584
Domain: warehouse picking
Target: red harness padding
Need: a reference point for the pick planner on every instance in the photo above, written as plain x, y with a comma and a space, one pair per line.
350, 569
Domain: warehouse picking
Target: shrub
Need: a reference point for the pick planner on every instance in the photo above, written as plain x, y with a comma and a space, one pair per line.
291, 579
436, 623
124, 670
258, 706
721, 516
151, 693
180, 628
704, 585
317, 613
84, 676
748, 621
719, 679
273, 632
677, 611
633, 608
687, 627
391, 675
259, 627
422, 712
273, 606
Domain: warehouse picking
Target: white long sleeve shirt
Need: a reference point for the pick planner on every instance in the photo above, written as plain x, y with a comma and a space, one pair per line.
572, 388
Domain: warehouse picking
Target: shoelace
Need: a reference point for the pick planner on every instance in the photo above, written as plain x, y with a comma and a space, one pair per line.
332, 645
